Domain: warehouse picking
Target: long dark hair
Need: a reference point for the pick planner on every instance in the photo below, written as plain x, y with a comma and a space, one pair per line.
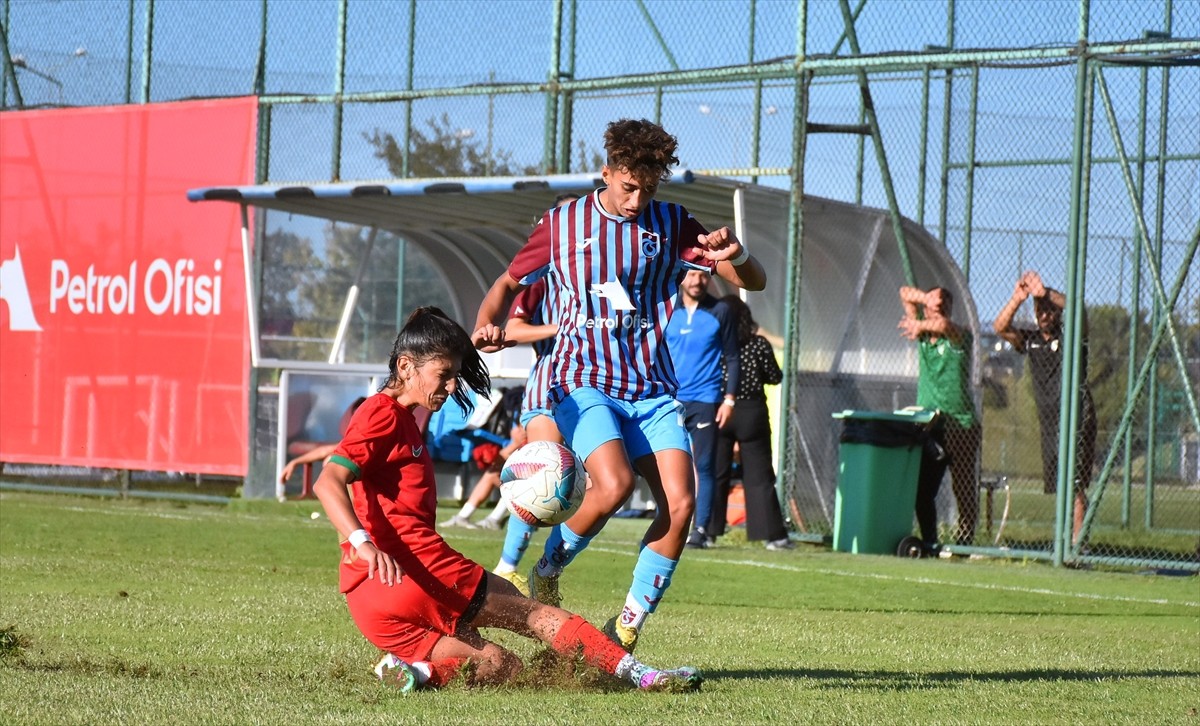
742, 318
430, 333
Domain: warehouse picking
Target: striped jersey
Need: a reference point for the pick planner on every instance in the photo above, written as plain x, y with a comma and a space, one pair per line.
530, 306
613, 283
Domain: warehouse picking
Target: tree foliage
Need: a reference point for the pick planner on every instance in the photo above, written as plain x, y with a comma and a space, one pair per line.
304, 292
443, 151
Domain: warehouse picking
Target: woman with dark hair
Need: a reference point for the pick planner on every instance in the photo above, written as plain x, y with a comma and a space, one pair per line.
750, 429
408, 591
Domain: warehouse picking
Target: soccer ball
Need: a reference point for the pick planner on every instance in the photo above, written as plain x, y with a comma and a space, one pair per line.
542, 483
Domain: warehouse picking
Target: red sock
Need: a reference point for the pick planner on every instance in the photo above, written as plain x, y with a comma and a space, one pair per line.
577, 635
443, 671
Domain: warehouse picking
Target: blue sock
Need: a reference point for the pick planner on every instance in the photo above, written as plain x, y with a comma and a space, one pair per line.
561, 547
516, 540
651, 578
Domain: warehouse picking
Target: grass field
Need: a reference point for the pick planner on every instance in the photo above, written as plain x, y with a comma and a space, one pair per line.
146, 612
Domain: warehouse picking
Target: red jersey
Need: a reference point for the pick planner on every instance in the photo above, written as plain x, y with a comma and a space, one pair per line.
395, 498
613, 285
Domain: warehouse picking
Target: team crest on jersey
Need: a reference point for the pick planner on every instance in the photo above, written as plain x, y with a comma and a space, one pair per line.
651, 244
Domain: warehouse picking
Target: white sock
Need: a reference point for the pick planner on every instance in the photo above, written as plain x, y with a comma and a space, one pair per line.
503, 568
422, 669
467, 510
634, 615
499, 513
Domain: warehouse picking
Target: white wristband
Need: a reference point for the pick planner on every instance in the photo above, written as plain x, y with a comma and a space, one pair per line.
358, 537
740, 258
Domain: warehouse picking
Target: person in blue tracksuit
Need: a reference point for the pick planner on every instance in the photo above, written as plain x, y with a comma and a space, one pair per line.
701, 336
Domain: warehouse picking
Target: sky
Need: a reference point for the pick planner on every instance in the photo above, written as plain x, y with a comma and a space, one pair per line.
209, 47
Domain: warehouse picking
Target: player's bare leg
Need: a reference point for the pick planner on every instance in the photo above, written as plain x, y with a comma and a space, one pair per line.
611, 483
669, 475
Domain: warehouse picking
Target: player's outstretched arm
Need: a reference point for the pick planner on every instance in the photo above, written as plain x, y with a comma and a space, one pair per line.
520, 330
313, 455
489, 323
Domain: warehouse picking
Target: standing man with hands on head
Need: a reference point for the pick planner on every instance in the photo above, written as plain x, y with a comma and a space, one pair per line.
944, 351
1044, 346
701, 337
617, 258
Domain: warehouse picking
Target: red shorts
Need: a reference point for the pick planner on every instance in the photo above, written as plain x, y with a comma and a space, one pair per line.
408, 618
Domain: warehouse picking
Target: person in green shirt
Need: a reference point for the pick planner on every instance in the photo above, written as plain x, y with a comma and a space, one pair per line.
944, 354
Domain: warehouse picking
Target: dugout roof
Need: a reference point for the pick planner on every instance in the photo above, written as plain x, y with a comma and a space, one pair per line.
849, 269
471, 227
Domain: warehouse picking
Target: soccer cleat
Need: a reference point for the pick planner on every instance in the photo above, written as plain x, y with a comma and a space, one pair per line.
458, 521
489, 523
777, 545
544, 589
697, 539
621, 634
676, 680
516, 579
394, 671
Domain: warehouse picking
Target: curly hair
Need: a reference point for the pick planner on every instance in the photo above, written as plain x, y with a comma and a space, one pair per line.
642, 148
430, 333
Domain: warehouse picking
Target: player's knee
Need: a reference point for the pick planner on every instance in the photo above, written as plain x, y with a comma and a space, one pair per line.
495, 665
612, 490
681, 509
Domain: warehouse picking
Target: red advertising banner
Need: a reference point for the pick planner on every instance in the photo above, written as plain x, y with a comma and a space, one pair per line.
122, 306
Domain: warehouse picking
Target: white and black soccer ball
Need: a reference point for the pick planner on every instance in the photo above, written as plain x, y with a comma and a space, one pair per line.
542, 483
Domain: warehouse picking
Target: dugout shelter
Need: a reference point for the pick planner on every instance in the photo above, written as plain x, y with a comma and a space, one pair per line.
849, 268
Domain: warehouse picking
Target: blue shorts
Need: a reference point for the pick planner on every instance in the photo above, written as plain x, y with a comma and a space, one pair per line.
587, 418
531, 414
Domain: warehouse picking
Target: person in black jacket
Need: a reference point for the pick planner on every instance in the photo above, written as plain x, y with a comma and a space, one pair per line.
1044, 346
750, 429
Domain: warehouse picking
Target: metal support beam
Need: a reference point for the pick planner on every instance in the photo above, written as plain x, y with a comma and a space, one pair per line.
1156, 277
339, 87
876, 136
339, 340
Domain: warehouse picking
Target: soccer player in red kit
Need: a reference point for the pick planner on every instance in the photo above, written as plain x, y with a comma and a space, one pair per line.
408, 591
615, 259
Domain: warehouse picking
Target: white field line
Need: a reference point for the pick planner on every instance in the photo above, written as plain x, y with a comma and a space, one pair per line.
927, 580
194, 516
746, 563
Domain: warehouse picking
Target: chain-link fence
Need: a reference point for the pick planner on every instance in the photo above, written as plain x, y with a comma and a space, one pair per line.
1059, 137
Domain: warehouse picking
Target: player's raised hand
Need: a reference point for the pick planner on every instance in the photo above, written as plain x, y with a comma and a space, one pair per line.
1021, 289
490, 338
720, 244
1033, 281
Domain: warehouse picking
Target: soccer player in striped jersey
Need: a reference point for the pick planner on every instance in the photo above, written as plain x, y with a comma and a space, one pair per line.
615, 259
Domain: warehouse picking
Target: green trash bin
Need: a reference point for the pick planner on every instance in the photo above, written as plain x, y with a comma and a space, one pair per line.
879, 460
